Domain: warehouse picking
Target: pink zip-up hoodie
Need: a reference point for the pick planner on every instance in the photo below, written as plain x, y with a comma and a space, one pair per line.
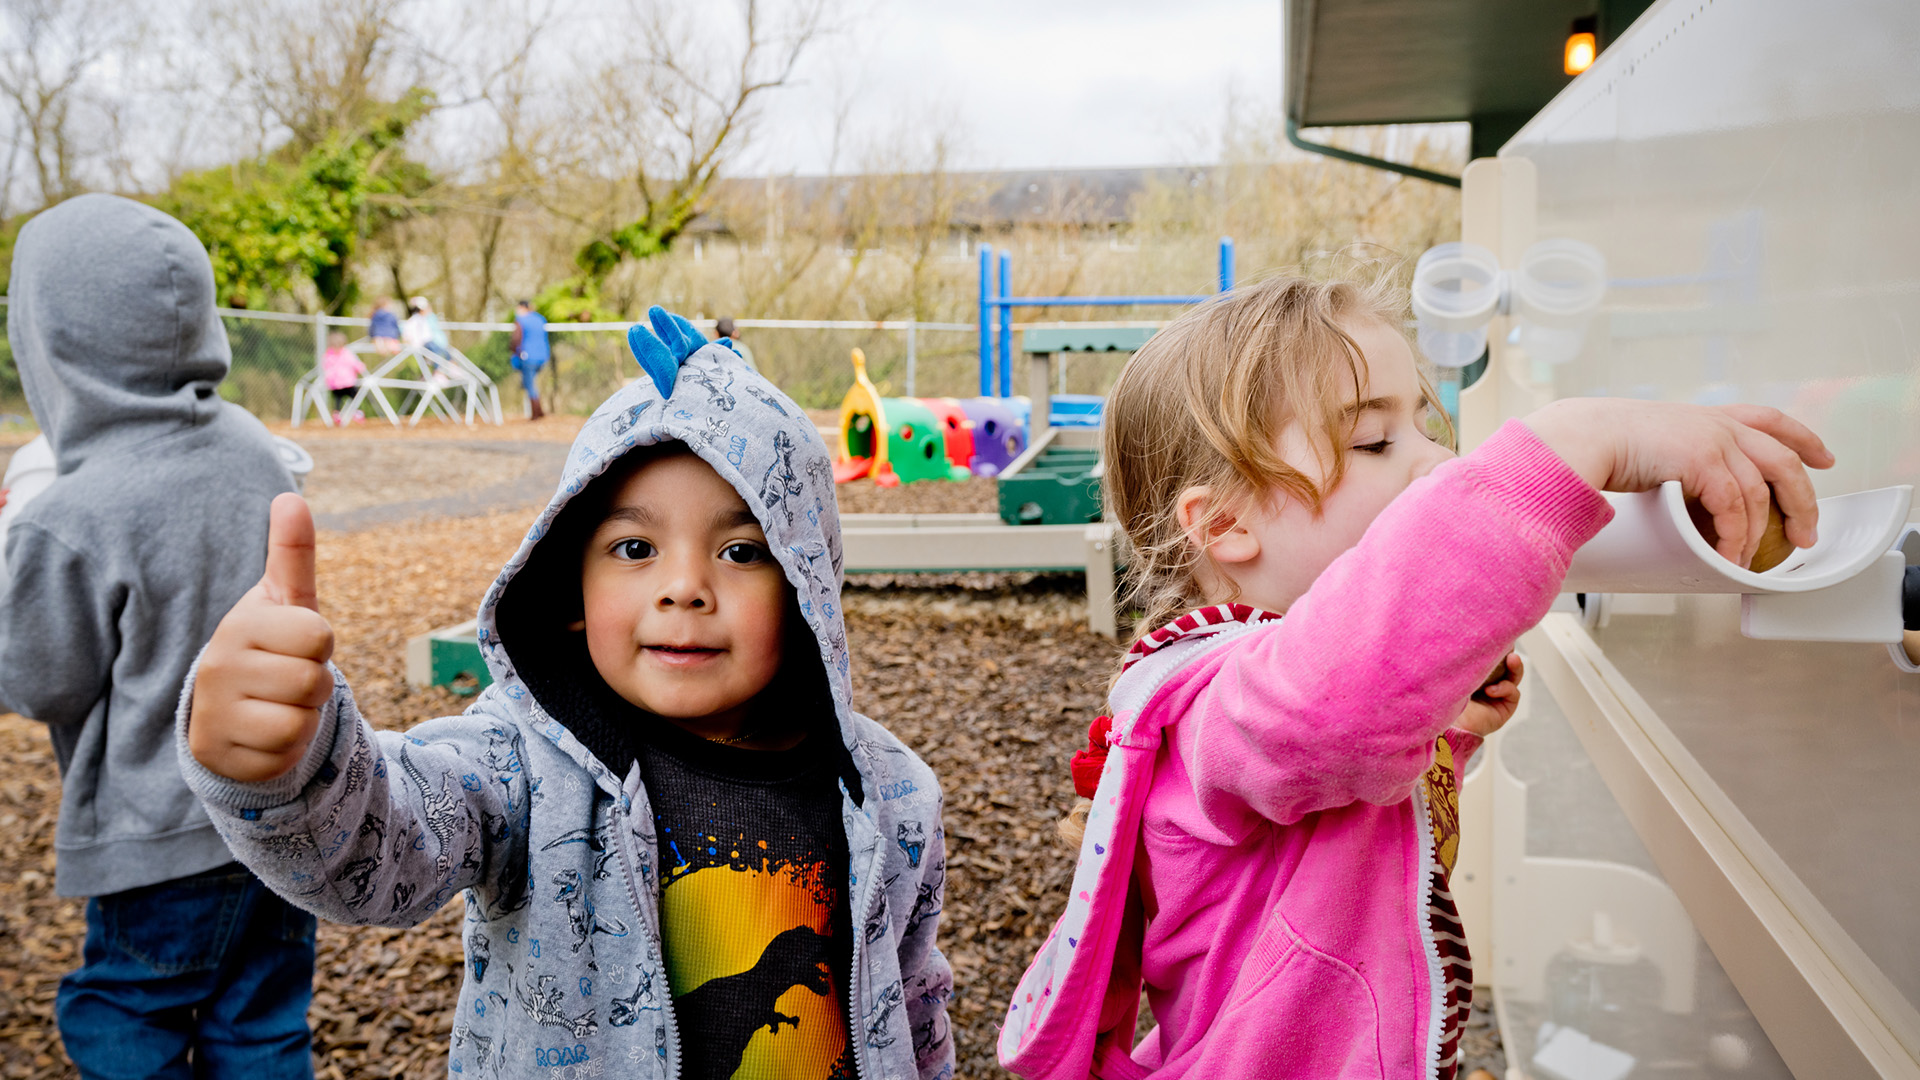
1264, 853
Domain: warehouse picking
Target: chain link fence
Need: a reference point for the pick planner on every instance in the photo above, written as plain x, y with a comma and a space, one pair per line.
809, 359
270, 354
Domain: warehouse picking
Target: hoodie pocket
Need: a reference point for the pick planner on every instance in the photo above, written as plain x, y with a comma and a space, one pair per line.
1297, 1011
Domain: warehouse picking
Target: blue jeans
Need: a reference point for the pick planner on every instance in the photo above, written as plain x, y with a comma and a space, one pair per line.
204, 976
529, 375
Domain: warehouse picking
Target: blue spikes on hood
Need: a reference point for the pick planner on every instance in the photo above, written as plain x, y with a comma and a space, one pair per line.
664, 348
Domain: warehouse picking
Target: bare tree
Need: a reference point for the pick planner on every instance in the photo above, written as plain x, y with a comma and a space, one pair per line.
53, 48
307, 70
669, 117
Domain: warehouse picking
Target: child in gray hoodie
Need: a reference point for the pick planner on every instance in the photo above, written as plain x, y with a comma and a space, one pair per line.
118, 573
682, 851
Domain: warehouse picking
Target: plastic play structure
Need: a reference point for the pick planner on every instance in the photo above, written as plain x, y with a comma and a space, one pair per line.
451, 387
899, 439
996, 311
998, 433
1044, 448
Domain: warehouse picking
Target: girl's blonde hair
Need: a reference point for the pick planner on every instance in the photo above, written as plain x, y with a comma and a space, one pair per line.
1203, 403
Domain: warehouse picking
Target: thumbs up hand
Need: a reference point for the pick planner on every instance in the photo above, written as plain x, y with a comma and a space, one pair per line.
264, 677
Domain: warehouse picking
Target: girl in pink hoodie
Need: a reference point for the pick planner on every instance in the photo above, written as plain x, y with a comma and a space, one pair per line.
1270, 813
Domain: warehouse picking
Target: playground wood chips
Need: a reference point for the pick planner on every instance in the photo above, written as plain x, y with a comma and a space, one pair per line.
994, 684
992, 678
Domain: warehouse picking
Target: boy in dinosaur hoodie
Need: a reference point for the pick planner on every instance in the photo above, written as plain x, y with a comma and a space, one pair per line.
682, 851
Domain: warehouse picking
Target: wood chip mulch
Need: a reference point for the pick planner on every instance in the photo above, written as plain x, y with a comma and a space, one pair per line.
974, 495
993, 684
558, 428
362, 474
40, 934
993, 678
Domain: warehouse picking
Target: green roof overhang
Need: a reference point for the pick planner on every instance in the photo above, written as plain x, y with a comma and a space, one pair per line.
1492, 63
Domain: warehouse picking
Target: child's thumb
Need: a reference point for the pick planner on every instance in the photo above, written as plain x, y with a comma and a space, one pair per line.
289, 576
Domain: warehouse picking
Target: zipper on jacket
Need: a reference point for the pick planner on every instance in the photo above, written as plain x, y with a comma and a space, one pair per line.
856, 1018
857, 981
650, 912
1436, 972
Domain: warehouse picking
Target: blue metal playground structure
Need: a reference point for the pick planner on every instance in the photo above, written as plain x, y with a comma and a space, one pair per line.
1002, 303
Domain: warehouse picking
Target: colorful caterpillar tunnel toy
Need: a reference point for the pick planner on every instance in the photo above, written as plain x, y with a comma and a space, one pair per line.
900, 440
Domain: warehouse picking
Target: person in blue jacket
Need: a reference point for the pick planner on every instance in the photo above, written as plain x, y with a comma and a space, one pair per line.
530, 351
384, 327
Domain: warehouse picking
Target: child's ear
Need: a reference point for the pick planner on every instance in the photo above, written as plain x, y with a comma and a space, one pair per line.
1221, 536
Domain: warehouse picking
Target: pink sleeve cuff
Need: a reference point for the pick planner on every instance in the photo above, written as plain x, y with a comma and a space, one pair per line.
1523, 474
1464, 743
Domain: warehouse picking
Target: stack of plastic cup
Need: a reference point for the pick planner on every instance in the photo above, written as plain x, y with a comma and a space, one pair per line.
1556, 290
1456, 289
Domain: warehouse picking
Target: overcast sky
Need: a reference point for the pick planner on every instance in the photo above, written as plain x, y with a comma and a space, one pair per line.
1057, 83
1008, 84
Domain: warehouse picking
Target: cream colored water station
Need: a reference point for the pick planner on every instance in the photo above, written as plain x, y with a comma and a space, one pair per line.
1696, 851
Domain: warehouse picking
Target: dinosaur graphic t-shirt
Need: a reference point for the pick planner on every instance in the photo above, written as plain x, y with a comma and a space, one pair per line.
753, 905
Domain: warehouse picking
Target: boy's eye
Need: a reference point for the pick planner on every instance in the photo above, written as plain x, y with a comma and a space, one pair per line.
634, 549
744, 553
1374, 447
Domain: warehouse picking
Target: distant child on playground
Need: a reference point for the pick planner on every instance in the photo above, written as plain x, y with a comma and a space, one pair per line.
422, 328
341, 370
383, 326
682, 852
1270, 814
725, 329
530, 352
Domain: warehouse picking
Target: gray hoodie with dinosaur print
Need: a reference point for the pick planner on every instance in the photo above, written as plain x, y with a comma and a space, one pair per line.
557, 855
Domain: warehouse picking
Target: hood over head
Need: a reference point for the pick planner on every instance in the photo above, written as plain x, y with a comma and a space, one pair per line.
756, 439
112, 322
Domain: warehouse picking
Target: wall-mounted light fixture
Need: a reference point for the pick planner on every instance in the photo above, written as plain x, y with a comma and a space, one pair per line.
1583, 44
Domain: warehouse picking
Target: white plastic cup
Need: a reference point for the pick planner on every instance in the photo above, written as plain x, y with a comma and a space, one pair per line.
1551, 344
1452, 349
1556, 290
1456, 288
1560, 284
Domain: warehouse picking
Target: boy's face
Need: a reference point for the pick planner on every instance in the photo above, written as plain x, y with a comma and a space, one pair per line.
685, 606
